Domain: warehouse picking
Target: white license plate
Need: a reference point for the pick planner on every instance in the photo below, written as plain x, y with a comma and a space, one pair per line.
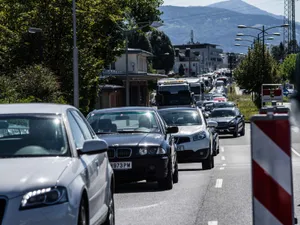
121, 165
221, 130
180, 147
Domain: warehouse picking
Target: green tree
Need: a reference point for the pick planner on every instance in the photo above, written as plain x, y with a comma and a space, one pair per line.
139, 40
162, 50
288, 68
278, 52
252, 73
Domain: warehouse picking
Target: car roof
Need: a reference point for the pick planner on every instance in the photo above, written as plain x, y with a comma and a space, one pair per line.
124, 109
37, 108
177, 108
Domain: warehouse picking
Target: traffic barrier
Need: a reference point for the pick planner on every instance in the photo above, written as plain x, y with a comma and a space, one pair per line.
275, 110
272, 187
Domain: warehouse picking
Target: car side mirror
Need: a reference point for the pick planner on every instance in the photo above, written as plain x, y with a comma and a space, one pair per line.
206, 115
172, 130
94, 146
212, 124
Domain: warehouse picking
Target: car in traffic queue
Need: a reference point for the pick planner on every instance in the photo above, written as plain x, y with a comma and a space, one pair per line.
54, 168
230, 121
195, 141
224, 104
141, 146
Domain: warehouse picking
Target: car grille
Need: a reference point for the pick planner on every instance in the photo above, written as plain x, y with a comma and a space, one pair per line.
222, 124
2, 209
124, 152
180, 140
111, 153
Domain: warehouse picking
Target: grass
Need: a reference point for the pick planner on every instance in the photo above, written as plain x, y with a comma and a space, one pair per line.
245, 104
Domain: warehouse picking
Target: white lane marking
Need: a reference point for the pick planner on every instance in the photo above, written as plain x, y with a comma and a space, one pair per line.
222, 149
295, 129
222, 168
219, 183
212, 222
223, 158
224, 164
141, 207
295, 152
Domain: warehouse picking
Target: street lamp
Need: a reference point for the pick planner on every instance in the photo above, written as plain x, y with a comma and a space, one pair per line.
242, 45
75, 59
263, 30
154, 24
36, 30
240, 39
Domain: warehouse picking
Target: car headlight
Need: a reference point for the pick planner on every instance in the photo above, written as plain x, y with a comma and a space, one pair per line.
232, 122
199, 136
44, 197
152, 151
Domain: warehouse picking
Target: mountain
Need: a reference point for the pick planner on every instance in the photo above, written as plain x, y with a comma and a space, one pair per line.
214, 25
242, 7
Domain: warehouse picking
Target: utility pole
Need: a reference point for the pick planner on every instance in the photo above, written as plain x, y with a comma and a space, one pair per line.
75, 59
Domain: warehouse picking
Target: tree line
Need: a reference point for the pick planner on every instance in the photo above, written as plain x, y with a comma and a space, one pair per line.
37, 66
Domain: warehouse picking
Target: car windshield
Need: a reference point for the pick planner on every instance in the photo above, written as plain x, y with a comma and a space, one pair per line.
181, 117
124, 122
32, 136
224, 104
222, 113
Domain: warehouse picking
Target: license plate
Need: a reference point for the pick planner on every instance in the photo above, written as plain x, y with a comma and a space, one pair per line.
221, 130
180, 147
121, 165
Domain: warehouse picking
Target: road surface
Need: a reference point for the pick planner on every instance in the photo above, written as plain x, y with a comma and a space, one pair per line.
221, 196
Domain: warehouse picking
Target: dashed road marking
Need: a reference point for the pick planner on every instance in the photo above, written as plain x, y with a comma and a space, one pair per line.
222, 149
296, 129
212, 222
141, 207
222, 168
224, 164
219, 183
295, 152
223, 158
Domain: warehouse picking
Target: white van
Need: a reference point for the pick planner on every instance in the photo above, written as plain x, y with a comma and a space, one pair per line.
220, 83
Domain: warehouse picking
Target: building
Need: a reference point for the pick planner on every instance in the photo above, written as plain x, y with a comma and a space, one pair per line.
203, 58
114, 95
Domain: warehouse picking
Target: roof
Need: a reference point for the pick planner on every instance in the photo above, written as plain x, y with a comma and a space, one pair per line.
138, 51
110, 87
132, 75
44, 108
124, 109
178, 108
220, 109
193, 46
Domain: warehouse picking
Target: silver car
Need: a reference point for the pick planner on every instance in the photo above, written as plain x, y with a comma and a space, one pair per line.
53, 168
195, 141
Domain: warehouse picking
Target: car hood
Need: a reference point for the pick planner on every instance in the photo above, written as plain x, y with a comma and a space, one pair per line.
132, 139
20, 175
221, 119
188, 130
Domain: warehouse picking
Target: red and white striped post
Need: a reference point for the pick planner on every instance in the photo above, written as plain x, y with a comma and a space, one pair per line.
272, 179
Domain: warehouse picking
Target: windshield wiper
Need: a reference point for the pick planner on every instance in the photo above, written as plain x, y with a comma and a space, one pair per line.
131, 131
106, 132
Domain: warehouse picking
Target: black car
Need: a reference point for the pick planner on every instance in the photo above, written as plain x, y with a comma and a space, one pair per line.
140, 144
230, 121
224, 105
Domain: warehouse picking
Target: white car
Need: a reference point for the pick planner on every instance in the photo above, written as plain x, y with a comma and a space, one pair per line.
53, 168
195, 141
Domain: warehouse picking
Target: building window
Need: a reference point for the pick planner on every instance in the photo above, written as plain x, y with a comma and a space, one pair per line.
113, 66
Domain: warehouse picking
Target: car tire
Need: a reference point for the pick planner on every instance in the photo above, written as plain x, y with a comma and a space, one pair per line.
83, 213
167, 182
110, 218
208, 163
243, 131
176, 173
236, 133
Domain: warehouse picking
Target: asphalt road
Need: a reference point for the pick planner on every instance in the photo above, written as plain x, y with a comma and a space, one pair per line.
218, 196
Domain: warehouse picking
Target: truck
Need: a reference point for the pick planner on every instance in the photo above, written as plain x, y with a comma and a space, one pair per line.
174, 93
197, 87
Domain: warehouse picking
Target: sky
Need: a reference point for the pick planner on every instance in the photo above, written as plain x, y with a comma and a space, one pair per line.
272, 6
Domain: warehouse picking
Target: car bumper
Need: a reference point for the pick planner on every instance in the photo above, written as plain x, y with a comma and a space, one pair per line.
193, 156
194, 145
62, 214
153, 168
225, 130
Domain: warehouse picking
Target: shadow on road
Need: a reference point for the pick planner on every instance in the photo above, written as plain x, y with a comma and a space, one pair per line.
137, 187
227, 137
195, 169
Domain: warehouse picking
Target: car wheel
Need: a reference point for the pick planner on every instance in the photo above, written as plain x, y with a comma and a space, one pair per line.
110, 219
176, 174
83, 215
208, 163
243, 131
236, 133
167, 182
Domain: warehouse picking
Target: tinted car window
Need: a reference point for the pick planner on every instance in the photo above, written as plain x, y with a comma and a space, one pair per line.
222, 113
181, 117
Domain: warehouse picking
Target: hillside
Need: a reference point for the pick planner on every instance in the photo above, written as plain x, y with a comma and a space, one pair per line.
214, 25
